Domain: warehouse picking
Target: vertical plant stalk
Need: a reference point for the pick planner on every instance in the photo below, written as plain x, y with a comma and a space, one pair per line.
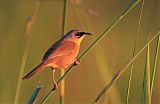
34, 98
134, 50
101, 36
27, 30
122, 70
154, 67
62, 91
148, 74
146, 79
143, 99
64, 17
22, 67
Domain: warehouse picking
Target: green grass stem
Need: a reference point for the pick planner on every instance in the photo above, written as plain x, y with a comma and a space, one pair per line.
122, 70
35, 94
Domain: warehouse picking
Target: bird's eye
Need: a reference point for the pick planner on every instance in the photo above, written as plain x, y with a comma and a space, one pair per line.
78, 34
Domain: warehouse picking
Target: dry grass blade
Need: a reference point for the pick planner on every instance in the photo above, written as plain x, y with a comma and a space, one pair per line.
27, 31
106, 31
35, 94
123, 69
134, 50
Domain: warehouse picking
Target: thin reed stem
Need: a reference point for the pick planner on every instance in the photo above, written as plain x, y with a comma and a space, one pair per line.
134, 50
27, 30
22, 67
143, 99
62, 91
103, 34
122, 70
64, 17
148, 74
146, 78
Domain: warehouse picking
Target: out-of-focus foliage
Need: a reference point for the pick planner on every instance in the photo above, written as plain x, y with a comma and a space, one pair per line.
98, 66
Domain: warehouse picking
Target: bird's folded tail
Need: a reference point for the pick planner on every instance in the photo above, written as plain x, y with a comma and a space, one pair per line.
35, 70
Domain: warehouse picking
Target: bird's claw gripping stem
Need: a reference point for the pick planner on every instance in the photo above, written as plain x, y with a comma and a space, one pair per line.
76, 62
55, 86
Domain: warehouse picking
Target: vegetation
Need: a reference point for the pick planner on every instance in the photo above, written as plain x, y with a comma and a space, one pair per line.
126, 33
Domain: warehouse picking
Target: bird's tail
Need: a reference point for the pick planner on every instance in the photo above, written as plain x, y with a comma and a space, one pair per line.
35, 70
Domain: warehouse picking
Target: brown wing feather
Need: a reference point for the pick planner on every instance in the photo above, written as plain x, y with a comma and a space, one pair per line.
51, 50
64, 48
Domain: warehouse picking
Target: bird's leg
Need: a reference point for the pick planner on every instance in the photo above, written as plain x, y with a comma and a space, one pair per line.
54, 81
76, 62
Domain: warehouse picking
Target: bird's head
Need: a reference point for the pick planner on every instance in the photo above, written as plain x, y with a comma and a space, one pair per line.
77, 35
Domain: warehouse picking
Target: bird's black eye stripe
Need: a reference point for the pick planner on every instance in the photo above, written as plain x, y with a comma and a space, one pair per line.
78, 34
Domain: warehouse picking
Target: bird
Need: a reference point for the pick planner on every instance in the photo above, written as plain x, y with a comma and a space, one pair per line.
61, 54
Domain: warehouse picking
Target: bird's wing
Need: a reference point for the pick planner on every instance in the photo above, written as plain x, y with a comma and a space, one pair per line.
51, 50
64, 48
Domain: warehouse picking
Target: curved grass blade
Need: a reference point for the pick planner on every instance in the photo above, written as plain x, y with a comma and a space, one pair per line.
122, 70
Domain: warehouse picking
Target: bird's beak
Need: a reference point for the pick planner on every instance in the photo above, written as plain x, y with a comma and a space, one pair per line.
86, 33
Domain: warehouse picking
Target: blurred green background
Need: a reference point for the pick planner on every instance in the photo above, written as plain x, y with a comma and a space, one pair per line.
96, 69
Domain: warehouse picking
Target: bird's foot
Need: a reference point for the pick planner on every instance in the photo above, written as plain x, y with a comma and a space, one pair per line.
76, 62
55, 86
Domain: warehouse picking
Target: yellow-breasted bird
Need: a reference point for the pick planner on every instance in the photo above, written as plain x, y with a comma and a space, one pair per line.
61, 54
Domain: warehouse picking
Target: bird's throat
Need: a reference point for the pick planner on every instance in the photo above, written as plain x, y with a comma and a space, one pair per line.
80, 39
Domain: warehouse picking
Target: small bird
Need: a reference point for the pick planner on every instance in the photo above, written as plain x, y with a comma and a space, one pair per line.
61, 54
